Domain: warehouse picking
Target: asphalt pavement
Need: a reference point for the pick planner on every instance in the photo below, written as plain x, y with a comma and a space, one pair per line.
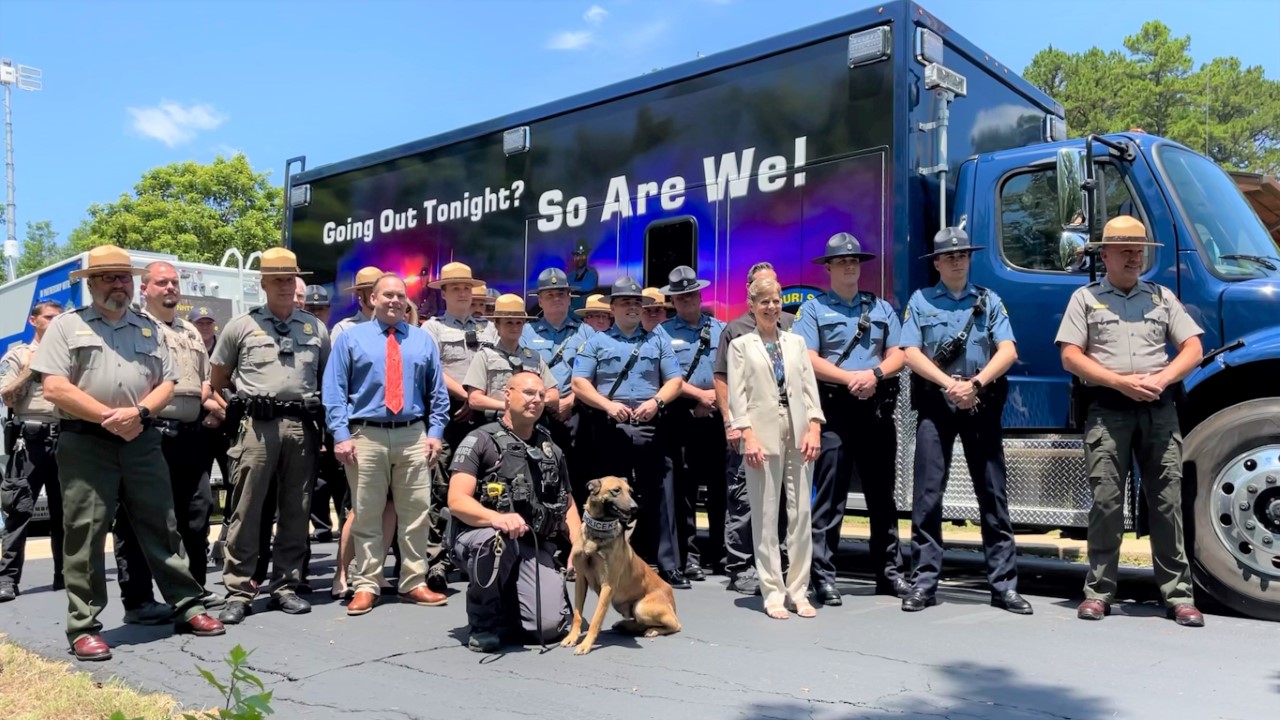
866, 660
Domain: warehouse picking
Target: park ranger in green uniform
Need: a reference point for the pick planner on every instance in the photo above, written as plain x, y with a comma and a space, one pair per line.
275, 356
486, 379
1113, 338
107, 371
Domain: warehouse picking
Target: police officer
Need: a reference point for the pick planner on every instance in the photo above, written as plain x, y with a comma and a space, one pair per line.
31, 439
217, 439
583, 278
853, 339
107, 371
275, 356
740, 564
1113, 338
959, 345
629, 376
185, 449
331, 481
695, 425
551, 336
487, 377
362, 286
509, 497
459, 337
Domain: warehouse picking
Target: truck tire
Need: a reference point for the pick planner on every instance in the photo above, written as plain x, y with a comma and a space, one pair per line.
1236, 515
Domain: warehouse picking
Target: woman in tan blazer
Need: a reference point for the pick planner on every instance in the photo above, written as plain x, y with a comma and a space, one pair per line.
773, 399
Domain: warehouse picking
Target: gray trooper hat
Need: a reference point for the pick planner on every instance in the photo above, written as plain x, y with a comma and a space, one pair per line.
552, 279
626, 287
950, 240
842, 244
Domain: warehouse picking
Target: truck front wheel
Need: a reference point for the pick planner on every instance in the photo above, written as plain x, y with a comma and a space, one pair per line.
1235, 454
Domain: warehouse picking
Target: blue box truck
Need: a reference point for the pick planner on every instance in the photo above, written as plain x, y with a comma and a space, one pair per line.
888, 124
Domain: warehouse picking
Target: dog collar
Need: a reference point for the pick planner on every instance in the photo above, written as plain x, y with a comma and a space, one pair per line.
600, 525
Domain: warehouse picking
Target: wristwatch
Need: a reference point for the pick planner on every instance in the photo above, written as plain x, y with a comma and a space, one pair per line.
878, 373
977, 384
144, 412
661, 405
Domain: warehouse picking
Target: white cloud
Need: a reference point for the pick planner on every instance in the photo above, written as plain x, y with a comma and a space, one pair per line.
570, 40
173, 124
595, 15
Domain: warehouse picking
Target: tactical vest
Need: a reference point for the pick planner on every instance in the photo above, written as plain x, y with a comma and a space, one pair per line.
509, 486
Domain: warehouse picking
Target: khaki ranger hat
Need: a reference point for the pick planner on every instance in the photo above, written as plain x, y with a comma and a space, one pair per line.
1124, 230
105, 259
365, 279
455, 272
279, 261
595, 303
509, 307
659, 300
479, 290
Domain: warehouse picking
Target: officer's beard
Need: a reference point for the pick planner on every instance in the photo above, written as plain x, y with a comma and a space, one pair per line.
113, 300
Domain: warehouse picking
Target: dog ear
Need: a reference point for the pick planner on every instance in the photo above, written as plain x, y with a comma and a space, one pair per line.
593, 487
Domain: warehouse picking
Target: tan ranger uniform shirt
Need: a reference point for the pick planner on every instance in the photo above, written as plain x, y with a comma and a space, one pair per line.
188, 352
249, 348
492, 367
116, 364
450, 335
1126, 333
346, 324
31, 405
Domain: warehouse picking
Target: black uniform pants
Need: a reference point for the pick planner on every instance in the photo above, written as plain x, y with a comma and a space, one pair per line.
635, 453
565, 435
937, 427
697, 450
186, 455
26, 472
330, 487
858, 444
454, 433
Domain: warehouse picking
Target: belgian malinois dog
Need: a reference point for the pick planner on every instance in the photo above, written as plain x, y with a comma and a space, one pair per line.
604, 562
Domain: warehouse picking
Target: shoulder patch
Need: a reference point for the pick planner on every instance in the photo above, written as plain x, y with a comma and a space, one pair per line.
307, 329
464, 448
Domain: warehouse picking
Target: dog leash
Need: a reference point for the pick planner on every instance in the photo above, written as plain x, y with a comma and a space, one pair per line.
499, 546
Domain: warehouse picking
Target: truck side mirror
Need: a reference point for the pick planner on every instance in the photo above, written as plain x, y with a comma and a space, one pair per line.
1073, 255
1072, 202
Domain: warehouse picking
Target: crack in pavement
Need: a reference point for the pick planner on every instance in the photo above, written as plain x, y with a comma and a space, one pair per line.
392, 656
349, 712
185, 648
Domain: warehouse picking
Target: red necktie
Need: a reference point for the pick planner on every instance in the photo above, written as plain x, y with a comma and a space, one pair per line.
394, 374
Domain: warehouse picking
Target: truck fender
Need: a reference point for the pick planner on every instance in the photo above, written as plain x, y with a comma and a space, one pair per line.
1260, 345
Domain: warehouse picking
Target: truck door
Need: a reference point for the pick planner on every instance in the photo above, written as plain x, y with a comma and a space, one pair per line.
1035, 263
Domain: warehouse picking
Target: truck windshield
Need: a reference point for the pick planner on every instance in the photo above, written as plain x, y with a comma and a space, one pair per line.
1227, 231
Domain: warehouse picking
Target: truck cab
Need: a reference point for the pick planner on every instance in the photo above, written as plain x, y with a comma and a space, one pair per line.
1032, 207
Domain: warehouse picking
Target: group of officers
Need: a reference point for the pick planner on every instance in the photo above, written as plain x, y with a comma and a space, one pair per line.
467, 440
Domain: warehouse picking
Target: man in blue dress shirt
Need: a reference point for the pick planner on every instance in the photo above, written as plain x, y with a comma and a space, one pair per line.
852, 338
628, 376
387, 407
694, 424
959, 345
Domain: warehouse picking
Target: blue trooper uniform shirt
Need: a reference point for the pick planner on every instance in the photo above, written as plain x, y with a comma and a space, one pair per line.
828, 323
686, 342
607, 352
554, 344
933, 316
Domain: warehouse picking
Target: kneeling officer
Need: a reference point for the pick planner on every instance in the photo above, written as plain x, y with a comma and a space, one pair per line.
509, 500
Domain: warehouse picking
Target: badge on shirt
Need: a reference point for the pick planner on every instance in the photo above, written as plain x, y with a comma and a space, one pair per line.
906, 314
307, 329
146, 332
546, 449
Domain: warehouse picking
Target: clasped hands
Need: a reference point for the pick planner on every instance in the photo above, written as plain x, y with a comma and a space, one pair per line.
123, 422
862, 384
1147, 387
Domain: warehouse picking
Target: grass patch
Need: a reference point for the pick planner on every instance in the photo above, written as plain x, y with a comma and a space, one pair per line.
32, 688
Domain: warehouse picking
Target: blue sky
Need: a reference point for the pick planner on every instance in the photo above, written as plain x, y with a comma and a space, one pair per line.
132, 85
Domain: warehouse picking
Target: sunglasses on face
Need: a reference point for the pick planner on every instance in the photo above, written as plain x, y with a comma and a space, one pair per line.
113, 278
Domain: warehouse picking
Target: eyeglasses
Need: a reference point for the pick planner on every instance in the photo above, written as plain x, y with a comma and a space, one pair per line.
113, 278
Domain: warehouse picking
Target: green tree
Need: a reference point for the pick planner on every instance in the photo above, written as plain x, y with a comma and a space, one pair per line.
1227, 111
195, 211
41, 248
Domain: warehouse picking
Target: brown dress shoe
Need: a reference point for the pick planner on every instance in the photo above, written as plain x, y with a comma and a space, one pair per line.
1187, 614
1093, 610
91, 648
422, 595
201, 626
361, 603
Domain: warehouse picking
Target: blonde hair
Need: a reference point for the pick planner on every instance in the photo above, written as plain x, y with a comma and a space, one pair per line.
762, 287
413, 313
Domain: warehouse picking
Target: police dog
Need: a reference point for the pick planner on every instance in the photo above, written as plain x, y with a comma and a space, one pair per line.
605, 563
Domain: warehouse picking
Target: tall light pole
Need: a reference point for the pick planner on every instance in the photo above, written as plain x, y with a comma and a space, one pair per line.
26, 78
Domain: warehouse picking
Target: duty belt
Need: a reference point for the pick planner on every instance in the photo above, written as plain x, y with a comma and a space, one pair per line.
88, 428
170, 427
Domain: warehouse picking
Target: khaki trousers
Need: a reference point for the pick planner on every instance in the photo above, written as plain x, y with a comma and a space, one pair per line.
392, 459
782, 474
1111, 438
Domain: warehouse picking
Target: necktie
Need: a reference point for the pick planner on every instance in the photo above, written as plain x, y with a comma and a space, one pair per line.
394, 374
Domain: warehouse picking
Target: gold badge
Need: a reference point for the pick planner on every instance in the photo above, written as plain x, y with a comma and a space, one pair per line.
306, 329
146, 332
906, 314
